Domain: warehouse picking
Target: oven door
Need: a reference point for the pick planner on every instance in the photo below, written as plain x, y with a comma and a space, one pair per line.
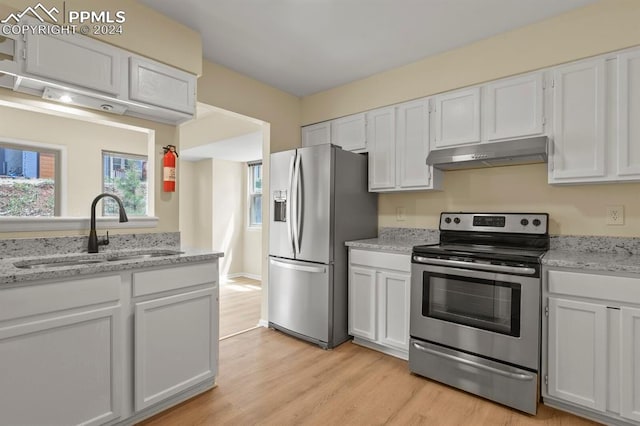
490, 314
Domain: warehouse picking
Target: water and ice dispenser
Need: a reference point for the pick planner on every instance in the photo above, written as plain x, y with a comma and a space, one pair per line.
280, 206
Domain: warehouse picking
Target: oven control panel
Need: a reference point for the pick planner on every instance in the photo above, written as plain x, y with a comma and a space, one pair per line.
521, 223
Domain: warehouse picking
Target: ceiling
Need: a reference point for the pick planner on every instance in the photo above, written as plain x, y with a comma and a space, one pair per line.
307, 46
242, 148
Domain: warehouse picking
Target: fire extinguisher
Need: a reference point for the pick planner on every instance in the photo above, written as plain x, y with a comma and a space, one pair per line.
169, 168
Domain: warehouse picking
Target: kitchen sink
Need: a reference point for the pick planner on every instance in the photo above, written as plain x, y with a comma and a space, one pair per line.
56, 263
79, 261
137, 256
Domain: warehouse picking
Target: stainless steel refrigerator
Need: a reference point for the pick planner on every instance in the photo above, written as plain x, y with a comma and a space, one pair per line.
318, 200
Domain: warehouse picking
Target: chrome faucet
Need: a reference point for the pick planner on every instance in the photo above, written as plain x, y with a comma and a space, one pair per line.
93, 237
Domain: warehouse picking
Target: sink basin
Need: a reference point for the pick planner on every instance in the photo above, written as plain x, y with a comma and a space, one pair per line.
56, 264
61, 262
158, 253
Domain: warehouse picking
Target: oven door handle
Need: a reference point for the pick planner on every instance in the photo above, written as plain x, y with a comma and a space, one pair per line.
478, 266
516, 376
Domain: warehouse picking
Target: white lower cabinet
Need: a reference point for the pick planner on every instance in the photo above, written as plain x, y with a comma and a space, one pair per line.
112, 348
65, 369
379, 287
591, 345
630, 380
172, 355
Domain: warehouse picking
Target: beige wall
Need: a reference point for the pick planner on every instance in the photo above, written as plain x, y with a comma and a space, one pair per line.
196, 204
228, 215
213, 214
252, 260
216, 126
605, 26
145, 31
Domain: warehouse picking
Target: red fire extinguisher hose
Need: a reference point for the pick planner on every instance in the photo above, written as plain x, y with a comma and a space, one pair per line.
169, 168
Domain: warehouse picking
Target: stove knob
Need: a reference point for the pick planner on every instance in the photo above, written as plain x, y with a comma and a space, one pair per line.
524, 222
456, 220
447, 220
536, 222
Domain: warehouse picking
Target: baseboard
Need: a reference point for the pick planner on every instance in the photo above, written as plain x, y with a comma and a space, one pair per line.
240, 274
263, 323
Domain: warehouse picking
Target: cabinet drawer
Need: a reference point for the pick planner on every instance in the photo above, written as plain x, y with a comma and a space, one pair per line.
149, 282
39, 299
381, 260
596, 286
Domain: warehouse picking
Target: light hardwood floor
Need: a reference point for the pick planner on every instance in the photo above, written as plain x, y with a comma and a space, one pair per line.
240, 300
269, 378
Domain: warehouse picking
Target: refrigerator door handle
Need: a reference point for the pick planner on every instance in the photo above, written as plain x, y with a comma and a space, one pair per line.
303, 268
290, 203
296, 214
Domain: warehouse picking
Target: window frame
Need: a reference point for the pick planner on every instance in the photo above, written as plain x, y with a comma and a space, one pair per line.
129, 156
60, 177
251, 194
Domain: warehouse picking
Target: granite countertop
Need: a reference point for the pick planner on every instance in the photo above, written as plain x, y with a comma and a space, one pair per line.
10, 274
593, 261
396, 245
397, 240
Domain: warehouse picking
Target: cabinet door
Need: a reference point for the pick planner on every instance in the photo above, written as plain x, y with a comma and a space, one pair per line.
578, 149
413, 145
176, 340
577, 352
316, 134
457, 118
362, 302
393, 302
628, 113
64, 370
630, 377
157, 84
74, 59
381, 127
350, 132
514, 107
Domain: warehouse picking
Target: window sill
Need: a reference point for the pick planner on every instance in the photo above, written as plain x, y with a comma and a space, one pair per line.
254, 228
27, 224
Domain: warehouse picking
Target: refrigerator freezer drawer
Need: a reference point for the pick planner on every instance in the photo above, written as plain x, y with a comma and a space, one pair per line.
299, 294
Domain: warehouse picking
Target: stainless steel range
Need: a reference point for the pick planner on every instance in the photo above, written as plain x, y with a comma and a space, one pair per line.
475, 305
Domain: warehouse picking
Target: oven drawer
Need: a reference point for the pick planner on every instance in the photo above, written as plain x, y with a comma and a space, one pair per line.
499, 382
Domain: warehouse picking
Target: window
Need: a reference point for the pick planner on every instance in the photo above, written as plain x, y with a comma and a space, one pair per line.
255, 193
28, 177
125, 175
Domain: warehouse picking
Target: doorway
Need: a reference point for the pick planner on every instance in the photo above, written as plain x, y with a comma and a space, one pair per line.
220, 184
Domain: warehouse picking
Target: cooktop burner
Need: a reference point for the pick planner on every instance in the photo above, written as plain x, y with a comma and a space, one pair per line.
513, 237
479, 252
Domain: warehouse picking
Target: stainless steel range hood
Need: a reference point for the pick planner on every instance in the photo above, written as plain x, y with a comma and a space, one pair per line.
506, 153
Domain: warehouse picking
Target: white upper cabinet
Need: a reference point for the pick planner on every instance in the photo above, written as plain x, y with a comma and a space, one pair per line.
514, 107
316, 134
628, 112
579, 106
157, 84
75, 60
412, 147
457, 118
381, 128
350, 132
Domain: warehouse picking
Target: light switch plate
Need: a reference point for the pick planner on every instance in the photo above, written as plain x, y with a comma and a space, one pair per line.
615, 215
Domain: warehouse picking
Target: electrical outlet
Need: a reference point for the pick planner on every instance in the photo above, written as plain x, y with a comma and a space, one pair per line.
401, 214
615, 215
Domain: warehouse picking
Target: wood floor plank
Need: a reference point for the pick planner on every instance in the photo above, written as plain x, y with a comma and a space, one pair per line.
268, 378
240, 304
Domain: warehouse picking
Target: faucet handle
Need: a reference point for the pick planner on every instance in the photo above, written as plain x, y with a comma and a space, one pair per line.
105, 240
